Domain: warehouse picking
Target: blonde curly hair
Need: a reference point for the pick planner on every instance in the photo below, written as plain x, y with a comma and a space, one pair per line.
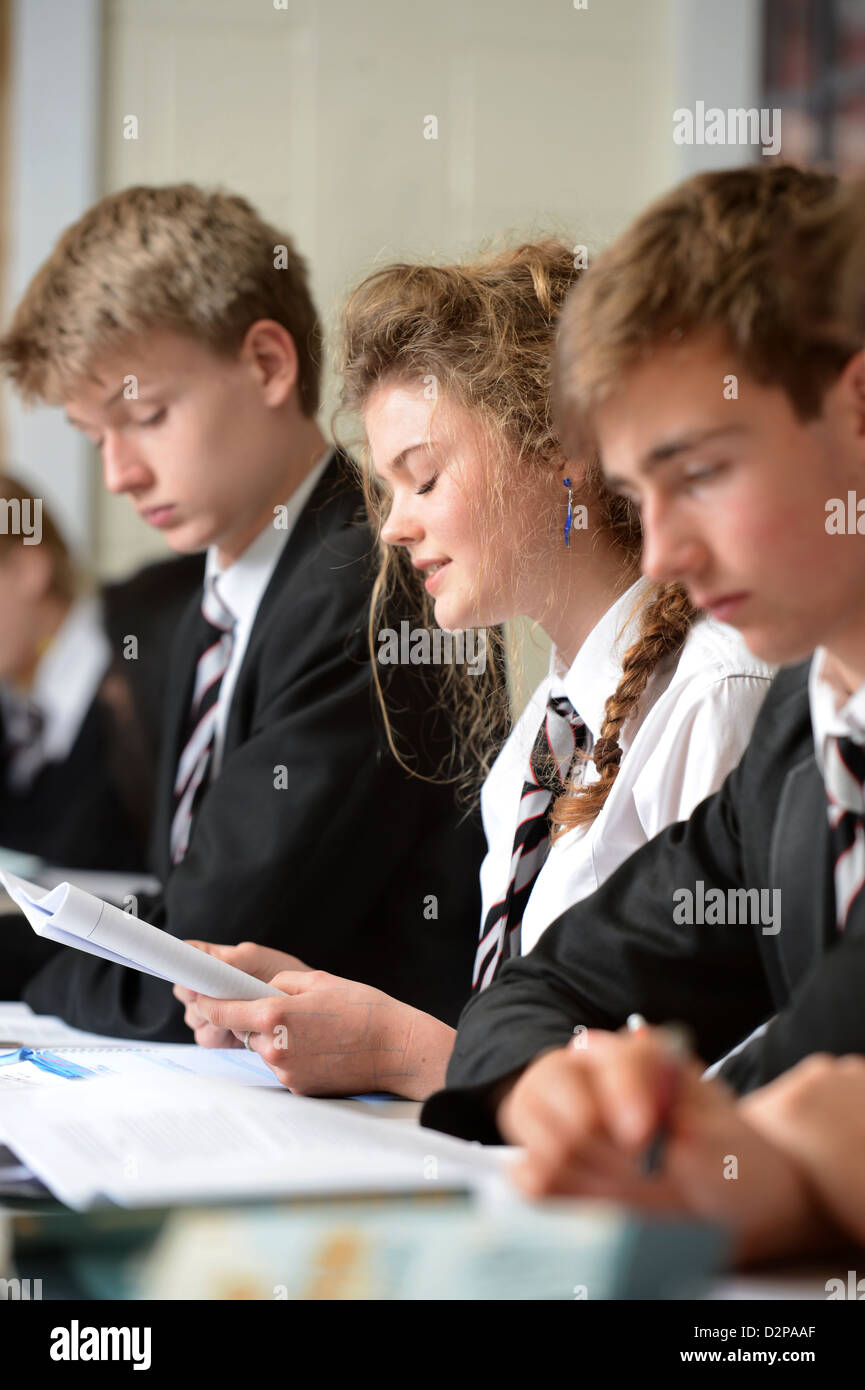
484, 330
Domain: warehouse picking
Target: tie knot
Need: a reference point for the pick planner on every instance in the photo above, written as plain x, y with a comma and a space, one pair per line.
845, 773
24, 723
214, 610
561, 707
559, 737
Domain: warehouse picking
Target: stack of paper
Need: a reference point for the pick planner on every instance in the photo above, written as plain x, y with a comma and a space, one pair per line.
195, 1139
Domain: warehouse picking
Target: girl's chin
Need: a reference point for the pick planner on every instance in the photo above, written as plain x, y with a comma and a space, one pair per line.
452, 617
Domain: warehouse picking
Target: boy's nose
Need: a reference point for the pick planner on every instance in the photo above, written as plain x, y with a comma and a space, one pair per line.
670, 552
123, 470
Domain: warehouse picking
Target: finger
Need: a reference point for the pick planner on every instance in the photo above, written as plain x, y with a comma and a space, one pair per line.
635, 1087
193, 1018
208, 1036
236, 1015
554, 1112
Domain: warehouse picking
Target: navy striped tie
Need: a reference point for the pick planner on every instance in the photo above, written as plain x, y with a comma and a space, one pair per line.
195, 759
24, 726
844, 773
562, 734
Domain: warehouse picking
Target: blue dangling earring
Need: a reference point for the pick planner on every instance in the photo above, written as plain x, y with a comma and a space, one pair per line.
570, 516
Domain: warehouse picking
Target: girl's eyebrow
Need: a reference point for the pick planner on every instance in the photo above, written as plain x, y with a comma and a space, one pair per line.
397, 462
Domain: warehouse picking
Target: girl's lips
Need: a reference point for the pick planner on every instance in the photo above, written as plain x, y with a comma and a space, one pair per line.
724, 608
431, 583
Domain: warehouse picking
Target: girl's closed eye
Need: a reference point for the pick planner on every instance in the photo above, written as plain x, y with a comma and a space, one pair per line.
428, 486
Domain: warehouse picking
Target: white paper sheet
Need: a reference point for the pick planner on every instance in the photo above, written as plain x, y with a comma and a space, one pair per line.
72, 917
182, 1140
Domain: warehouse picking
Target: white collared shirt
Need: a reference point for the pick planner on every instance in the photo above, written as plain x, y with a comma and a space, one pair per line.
690, 729
242, 586
67, 678
834, 713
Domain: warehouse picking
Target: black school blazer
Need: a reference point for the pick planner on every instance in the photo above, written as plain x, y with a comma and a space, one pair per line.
621, 950
354, 867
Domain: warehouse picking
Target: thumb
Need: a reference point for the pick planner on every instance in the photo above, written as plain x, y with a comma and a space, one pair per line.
295, 981
210, 948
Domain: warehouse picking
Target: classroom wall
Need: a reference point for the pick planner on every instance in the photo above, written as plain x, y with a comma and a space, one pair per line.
316, 113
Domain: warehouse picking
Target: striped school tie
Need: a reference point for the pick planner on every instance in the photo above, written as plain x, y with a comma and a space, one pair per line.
23, 727
844, 773
559, 738
195, 758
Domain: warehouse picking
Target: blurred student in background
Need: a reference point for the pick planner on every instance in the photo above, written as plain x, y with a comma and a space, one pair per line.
82, 677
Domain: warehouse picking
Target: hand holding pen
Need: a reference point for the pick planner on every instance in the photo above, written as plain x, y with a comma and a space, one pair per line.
596, 1116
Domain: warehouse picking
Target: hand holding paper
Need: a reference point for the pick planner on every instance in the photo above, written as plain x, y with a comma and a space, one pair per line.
72, 917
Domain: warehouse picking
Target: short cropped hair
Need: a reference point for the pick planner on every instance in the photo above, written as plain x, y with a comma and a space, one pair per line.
723, 253
179, 258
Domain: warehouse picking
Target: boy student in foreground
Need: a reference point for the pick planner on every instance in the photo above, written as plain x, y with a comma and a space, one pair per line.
711, 288
177, 330
797, 1139
469, 483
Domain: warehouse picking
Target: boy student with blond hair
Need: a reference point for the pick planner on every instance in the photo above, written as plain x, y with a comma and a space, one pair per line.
704, 356
177, 330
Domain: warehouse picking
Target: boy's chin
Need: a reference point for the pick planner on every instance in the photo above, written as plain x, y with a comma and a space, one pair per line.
776, 648
185, 541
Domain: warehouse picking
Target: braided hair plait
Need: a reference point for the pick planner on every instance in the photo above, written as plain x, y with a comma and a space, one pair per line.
666, 619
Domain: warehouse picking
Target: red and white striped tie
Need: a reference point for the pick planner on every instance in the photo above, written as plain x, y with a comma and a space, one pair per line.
195, 758
844, 773
561, 734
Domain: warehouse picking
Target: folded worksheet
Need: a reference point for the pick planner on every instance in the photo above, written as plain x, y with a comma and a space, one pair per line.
72, 917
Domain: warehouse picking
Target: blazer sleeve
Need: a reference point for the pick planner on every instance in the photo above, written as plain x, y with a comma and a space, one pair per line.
296, 841
618, 951
824, 1014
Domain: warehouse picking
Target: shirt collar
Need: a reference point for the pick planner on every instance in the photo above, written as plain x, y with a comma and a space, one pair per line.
68, 677
242, 584
597, 668
834, 712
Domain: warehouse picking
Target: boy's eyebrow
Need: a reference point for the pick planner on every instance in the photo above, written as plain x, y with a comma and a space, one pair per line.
672, 448
104, 406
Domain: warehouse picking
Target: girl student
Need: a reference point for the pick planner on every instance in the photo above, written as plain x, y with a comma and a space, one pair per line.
647, 704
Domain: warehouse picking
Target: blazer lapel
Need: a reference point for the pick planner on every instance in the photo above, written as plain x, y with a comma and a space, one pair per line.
335, 500
799, 865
